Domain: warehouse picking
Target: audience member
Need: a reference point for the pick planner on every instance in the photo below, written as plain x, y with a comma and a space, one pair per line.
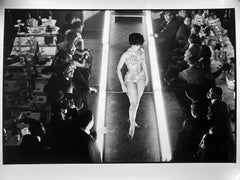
34, 147
183, 32
217, 145
191, 133
78, 145
165, 37
69, 18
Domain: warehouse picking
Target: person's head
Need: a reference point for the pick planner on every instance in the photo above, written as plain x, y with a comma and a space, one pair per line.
77, 26
68, 69
86, 120
212, 42
168, 16
199, 109
195, 29
205, 51
59, 108
207, 31
71, 36
192, 60
69, 17
191, 51
37, 129
199, 12
187, 20
218, 113
136, 39
215, 93
192, 39
182, 13
70, 47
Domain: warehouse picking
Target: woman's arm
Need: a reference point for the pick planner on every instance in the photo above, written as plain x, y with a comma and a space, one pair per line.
144, 66
119, 73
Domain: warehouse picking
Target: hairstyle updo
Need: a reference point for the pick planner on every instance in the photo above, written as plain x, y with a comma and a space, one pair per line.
136, 39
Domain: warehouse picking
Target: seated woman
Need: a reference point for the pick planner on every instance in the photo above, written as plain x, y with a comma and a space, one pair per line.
179, 64
81, 53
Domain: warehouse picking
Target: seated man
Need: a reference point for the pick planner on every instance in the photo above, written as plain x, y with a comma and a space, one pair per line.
165, 38
217, 145
78, 145
191, 133
193, 75
183, 32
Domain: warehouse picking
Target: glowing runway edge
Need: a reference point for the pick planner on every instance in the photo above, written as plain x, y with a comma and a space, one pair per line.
103, 81
158, 99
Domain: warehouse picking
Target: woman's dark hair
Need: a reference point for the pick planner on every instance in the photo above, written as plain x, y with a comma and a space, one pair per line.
136, 39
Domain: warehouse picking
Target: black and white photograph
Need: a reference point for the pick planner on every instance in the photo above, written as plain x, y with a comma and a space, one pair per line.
149, 90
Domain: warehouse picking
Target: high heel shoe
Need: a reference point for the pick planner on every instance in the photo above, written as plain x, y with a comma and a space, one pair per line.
130, 137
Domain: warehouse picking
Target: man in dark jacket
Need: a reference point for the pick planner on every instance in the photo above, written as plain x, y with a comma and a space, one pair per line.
81, 145
165, 38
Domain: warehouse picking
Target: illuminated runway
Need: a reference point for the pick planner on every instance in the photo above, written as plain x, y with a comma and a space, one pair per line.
159, 113
118, 148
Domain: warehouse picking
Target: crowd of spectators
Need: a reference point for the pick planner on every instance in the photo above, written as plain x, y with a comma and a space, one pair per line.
66, 132
189, 42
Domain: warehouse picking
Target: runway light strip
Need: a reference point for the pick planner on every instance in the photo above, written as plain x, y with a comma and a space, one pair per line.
158, 97
103, 81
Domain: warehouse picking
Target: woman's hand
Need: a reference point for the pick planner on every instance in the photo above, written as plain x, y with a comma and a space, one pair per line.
124, 88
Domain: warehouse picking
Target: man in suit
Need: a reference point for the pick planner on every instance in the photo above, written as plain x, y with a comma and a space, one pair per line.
215, 96
165, 38
76, 143
183, 32
82, 145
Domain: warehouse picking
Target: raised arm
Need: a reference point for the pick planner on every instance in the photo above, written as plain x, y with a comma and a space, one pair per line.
119, 73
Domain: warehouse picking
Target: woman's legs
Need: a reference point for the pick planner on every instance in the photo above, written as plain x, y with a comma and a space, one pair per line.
133, 99
140, 90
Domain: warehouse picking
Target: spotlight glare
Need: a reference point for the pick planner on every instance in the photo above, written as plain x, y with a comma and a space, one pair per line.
103, 81
158, 99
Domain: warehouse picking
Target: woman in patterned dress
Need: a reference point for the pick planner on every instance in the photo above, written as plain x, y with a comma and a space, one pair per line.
135, 79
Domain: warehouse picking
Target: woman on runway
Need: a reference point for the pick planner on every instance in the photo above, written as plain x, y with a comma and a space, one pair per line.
135, 79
